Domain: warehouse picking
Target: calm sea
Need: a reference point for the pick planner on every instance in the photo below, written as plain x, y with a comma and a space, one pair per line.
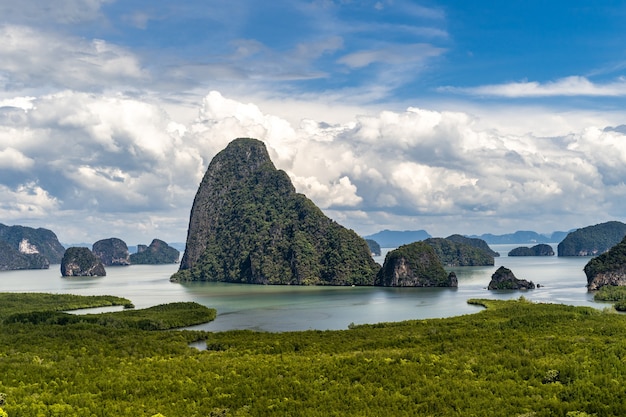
283, 308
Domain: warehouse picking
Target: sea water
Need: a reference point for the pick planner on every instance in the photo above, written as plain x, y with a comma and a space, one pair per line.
284, 308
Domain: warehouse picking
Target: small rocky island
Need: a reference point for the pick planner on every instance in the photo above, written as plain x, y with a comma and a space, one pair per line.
414, 265
608, 268
248, 225
157, 253
541, 249
504, 279
112, 252
81, 262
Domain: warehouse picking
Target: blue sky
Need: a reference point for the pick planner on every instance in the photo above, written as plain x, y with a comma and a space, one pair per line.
454, 117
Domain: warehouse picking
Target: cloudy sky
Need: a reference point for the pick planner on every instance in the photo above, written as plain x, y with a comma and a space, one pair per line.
448, 116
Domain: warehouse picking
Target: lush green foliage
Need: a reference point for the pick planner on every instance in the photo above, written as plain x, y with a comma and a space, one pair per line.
248, 225
472, 241
515, 358
453, 253
415, 264
373, 246
613, 260
616, 294
592, 240
158, 252
15, 303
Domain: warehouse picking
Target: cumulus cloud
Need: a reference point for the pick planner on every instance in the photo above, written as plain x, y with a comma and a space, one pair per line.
122, 166
568, 86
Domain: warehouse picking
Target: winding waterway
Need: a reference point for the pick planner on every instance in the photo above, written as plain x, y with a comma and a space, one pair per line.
284, 308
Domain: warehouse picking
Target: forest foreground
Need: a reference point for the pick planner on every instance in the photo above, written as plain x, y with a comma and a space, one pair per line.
515, 358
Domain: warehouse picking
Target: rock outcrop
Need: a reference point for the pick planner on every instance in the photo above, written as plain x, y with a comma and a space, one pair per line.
81, 262
11, 259
452, 253
414, 265
248, 225
608, 268
30, 241
592, 240
112, 252
541, 249
504, 279
158, 252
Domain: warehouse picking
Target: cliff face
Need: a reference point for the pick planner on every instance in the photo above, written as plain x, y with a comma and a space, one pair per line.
158, 252
414, 265
248, 225
592, 240
452, 253
504, 279
112, 251
29, 241
81, 262
11, 259
608, 268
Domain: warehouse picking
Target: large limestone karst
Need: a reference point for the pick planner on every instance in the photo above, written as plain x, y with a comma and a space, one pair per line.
608, 268
158, 252
248, 225
12, 259
414, 265
592, 240
29, 241
81, 262
475, 242
112, 251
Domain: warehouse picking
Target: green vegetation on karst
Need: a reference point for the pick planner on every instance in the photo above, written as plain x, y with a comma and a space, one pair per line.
515, 358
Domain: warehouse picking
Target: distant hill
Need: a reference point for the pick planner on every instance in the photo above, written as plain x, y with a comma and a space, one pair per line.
394, 238
592, 240
521, 236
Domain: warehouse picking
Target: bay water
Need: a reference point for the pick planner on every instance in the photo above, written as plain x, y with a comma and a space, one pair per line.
286, 308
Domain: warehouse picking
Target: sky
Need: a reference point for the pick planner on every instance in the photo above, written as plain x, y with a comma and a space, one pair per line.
448, 116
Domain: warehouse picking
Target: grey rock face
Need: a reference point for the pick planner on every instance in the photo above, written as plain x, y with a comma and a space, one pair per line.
81, 262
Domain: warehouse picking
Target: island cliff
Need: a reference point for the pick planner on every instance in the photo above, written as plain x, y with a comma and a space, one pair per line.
541, 249
112, 251
608, 268
592, 240
248, 225
81, 262
414, 265
504, 279
27, 241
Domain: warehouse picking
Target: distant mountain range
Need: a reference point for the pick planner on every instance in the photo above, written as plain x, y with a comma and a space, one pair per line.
394, 238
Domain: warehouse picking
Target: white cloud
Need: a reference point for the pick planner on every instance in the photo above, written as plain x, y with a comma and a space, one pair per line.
30, 58
61, 11
568, 86
110, 159
405, 55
